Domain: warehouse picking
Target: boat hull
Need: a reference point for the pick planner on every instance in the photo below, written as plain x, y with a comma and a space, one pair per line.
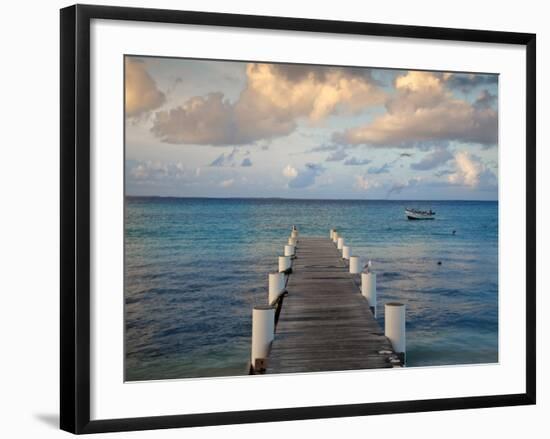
419, 215
420, 218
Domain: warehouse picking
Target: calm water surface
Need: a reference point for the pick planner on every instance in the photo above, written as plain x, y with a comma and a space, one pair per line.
195, 268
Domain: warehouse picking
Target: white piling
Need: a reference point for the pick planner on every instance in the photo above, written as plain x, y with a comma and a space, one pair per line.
395, 326
276, 286
335, 237
291, 241
340, 243
290, 250
368, 289
284, 263
354, 265
294, 234
346, 251
332, 233
263, 333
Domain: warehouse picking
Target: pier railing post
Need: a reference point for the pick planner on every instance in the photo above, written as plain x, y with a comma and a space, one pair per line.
290, 250
346, 252
395, 327
294, 234
368, 289
291, 241
276, 286
354, 265
284, 263
335, 237
263, 333
340, 243
332, 233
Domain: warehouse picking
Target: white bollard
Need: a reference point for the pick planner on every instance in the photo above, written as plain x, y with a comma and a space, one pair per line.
340, 243
263, 333
346, 251
354, 265
395, 326
284, 263
294, 234
291, 241
290, 250
368, 289
335, 237
331, 233
276, 286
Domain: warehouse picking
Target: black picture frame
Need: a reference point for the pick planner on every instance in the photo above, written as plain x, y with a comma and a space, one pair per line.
75, 217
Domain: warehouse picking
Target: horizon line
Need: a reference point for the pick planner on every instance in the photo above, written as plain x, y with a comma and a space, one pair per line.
301, 199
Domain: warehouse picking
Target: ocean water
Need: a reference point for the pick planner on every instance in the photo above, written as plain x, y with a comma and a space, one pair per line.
194, 268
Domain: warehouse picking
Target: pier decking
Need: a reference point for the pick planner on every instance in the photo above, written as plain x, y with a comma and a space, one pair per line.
325, 324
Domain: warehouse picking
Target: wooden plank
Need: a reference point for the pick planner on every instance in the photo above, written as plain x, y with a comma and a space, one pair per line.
325, 323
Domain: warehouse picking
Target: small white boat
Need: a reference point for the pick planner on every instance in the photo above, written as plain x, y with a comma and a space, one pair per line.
415, 214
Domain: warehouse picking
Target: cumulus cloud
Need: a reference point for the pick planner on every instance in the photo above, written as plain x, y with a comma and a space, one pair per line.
470, 171
141, 92
384, 169
423, 109
246, 163
207, 120
274, 98
433, 160
337, 156
352, 161
290, 171
305, 177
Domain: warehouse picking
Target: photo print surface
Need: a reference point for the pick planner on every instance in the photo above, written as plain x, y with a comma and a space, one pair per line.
224, 159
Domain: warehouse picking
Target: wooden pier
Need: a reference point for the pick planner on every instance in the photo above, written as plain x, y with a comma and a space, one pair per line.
324, 323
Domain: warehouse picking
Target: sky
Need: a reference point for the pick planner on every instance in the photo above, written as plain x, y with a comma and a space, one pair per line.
206, 128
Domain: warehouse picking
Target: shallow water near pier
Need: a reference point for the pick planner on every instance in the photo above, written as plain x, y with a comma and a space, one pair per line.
195, 267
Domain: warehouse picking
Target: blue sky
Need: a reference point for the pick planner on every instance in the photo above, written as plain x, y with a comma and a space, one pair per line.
206, 128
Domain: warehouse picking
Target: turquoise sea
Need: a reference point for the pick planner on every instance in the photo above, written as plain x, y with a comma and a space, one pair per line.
195, 267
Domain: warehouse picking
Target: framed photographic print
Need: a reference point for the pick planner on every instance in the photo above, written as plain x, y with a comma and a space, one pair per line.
268, 218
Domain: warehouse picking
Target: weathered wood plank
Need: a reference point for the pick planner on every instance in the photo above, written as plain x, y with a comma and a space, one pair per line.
325, 324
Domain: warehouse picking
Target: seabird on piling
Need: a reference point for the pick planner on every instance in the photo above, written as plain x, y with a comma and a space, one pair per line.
366, 268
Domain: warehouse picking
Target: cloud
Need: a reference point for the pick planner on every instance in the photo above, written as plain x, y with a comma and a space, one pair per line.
141, 92
443, 173
246, 162
362, 182
352, 161
274, 99
467, 81
290, 172
305, 177
225, 160
397, 188
434, 159
324, 148
384, 169
208, 120
337, 156
227, 183
485, 100
156, 170
424, 110
470, 171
